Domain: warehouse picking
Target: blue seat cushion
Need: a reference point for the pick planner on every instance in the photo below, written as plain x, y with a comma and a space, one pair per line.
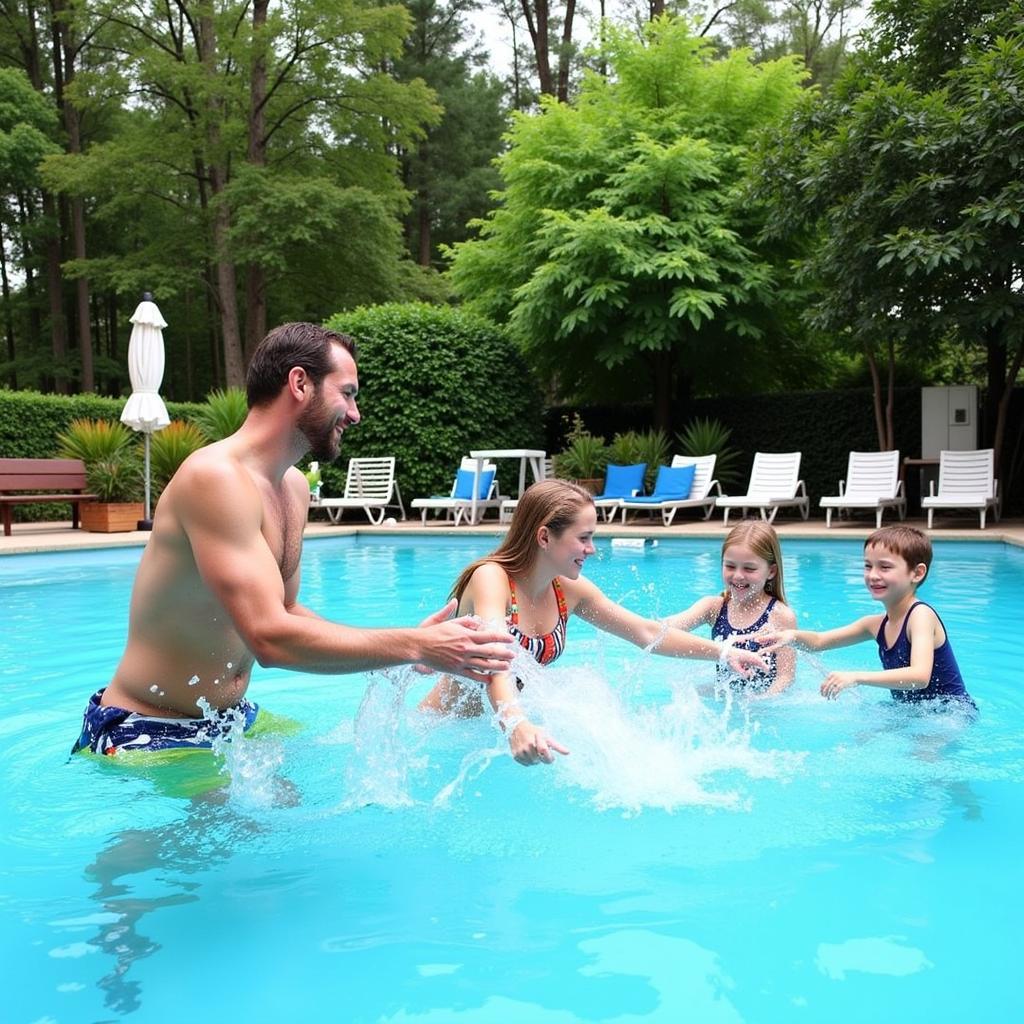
464, 484
622, 481
673, 484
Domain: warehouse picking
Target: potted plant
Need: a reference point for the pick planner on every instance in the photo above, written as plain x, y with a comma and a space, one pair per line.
583, 459
113, 472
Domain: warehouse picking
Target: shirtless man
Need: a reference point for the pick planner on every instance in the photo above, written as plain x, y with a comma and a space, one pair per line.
217, 585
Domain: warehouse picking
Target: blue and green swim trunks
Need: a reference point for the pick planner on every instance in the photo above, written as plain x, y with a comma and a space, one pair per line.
109, 730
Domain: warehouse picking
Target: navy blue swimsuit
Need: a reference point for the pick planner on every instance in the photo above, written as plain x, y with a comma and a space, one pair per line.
946, 681
723, 629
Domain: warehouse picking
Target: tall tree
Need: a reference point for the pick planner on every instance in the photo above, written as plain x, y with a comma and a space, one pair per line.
266, 129
621, 238
906, 184
450, 172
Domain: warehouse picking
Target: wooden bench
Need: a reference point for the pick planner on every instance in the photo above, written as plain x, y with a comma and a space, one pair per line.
66, 476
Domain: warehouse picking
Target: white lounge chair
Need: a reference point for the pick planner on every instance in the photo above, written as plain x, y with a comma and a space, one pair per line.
698, 496
872, 482
774, 483
370, 485
966, 480
458, 505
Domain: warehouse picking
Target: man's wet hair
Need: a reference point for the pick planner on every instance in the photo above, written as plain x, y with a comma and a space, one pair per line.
288, 346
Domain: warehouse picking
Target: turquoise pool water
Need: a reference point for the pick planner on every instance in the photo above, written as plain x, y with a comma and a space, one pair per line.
800, 860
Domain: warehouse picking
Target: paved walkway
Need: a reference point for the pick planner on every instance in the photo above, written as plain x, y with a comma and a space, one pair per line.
35, 537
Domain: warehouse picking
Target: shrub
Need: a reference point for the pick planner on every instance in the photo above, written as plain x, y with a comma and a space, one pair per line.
116, 478
709, 437
169, 448
584, 457
223, 413
93, 440
435, 382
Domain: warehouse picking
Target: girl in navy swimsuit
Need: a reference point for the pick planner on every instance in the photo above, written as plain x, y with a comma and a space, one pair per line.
753, 601
532, 582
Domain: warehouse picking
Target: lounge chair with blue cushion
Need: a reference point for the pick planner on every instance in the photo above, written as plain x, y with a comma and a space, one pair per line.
370, 485
774, 483
620, 482
966, 480
872, 482
458, 505
700, 469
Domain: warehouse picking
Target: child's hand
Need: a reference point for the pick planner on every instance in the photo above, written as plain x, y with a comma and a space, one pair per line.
836, 682
531, 745
772, 639
743, 662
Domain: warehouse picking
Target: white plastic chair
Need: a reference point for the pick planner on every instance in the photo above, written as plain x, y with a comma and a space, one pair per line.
774, 483
370, 485
872, 482
966, 480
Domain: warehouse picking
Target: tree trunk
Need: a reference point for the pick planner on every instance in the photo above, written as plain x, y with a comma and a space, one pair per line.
537, 18
255, 275
423, 211
876, 397
54, 289
64, 53
12, 373
226, 279
563, 56
890, 401
662, 368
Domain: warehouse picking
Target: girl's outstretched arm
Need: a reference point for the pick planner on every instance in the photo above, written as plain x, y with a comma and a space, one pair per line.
700, 613
599, 610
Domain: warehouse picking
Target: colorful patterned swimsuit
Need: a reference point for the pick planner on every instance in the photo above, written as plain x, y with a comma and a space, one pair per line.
543, 649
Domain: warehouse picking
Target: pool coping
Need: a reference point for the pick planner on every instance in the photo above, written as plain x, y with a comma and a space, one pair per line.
49, 537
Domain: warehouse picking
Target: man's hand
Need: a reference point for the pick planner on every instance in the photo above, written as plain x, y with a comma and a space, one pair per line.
531, 745
743, 662
463, 647
836, 682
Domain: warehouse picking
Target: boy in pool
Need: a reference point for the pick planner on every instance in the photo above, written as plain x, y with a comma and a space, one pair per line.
917, 659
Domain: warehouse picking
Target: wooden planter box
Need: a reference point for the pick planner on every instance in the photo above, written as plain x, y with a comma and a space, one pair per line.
114, 517
593, 484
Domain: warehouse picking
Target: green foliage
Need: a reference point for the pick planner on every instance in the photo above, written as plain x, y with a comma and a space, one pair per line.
621, 240
169, 448
436, 382
108, 448
94, 440
117, 478
654, 450
224, 412
706, 436
584, 457
904, 187
624, 449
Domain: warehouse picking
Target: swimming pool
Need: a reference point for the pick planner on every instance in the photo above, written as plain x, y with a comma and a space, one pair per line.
796, 860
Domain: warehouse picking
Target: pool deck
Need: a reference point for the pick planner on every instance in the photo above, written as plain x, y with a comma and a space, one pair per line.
29, 538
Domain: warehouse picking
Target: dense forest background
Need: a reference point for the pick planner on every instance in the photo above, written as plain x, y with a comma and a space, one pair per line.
659, 202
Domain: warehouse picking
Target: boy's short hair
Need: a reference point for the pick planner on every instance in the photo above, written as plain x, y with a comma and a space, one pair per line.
908, 542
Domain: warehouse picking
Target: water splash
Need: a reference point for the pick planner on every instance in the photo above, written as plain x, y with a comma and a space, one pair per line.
251, 767
627, 753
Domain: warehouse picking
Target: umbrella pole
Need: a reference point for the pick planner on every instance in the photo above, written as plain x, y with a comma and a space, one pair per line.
147, 523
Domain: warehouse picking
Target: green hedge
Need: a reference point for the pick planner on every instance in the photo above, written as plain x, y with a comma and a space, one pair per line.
434, 382
30, 422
